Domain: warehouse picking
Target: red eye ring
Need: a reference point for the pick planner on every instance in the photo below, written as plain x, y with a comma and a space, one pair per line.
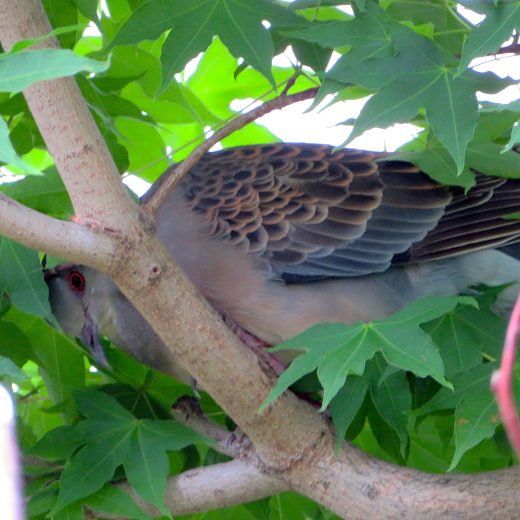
76, 281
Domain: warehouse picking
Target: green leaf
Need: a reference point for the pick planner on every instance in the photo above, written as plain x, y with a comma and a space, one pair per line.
491, 159
24, 137
19, 70
411, 72
22, 276
142, 403
112, 85
311, 54
172, 106
13, 104
500, 22
496, 121
16, 345
436, 161
471, 382
110, 106
120, 10
427, 450
487, 455
451, 105
387, 438
8, 368
100, 405
145, 147
59, 443
338, 350
70, 512
476, 418
450, 27
89, 9
482, 155
25, 44
62, 362
515, 137
94, 464
137, 62
194, 24
118, 152
293, 506
42, 502
259, 509
112, 500
464, 333
147, 464
392, 398
35, 414
217, 87
63, 13
113, 436
46, 194
8, 154
346, 403
365, 32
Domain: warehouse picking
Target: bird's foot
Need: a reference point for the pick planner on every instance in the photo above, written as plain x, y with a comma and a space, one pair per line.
238, 442
256, 345
193, 385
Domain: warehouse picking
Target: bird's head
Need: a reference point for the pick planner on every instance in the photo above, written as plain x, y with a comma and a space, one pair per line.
71, 290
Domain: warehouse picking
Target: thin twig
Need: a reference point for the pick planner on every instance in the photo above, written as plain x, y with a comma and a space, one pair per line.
514, 48
238, 123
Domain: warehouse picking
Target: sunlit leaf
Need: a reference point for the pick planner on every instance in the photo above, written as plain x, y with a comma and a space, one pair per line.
20, 69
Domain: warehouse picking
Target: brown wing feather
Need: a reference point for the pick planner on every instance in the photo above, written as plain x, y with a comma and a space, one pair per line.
311, 213
474, 221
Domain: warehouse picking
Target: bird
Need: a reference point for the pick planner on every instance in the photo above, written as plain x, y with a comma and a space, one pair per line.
279, 237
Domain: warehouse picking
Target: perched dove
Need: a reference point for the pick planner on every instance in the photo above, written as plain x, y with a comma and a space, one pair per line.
280, 237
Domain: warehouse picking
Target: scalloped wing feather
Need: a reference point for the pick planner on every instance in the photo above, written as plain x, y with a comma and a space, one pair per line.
314, 213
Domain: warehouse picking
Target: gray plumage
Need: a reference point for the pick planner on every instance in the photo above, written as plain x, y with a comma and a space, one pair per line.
280, 237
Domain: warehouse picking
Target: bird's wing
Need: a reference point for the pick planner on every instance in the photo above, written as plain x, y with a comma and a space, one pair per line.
473, 221
311, 213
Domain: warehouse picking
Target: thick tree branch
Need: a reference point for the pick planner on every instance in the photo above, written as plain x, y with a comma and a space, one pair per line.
211, 487
365, 487
355, 485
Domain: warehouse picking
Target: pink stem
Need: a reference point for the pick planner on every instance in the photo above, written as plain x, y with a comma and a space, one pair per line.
502, 381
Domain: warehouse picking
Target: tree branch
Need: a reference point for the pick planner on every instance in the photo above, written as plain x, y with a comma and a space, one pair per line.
211, 487
56, 237
514, 48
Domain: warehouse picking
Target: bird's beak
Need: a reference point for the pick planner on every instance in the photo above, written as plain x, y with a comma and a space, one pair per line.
91, 339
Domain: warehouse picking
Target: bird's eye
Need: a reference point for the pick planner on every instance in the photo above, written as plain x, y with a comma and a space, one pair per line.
76, 281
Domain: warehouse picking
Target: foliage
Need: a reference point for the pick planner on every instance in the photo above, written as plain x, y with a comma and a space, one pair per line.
438, 416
